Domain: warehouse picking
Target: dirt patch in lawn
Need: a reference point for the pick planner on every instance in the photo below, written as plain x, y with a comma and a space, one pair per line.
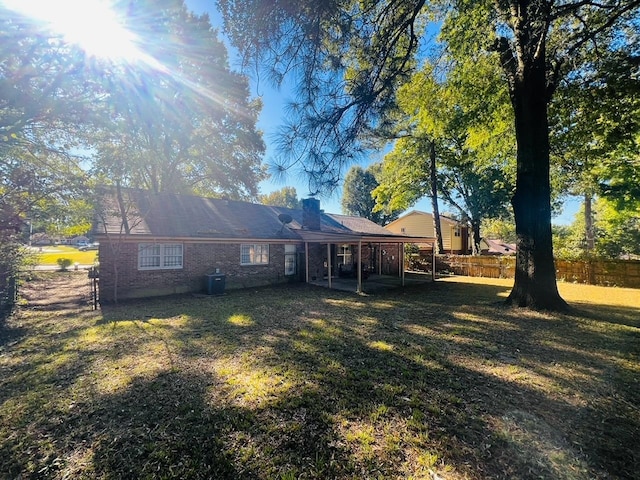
52, 291
437, 381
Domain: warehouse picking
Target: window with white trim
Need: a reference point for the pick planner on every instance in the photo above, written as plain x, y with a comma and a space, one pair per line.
344, 254
159, 256
254, 254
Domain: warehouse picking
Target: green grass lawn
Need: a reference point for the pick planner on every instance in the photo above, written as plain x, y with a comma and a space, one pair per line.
51, 254
297, 382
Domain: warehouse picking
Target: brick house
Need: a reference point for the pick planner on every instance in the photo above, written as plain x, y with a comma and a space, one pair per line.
161, 244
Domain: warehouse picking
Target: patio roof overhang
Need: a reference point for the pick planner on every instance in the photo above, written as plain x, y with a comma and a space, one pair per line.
328, 238
315, 236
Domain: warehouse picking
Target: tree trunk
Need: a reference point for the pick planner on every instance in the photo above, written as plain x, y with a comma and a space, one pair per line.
475, 236
437, 228
535, 275
588, 222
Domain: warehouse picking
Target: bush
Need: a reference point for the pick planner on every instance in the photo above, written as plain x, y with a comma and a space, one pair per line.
64, 263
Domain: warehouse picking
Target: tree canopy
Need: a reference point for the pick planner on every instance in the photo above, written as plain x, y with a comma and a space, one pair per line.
285, 197
357, 195
177, 118
184, 122
449, 115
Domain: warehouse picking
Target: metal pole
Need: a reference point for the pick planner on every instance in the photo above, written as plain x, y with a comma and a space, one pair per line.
402, 263
306, 259
359, 266
329, 263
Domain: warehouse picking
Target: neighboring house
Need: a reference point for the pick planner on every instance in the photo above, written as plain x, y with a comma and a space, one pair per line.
79, 241
455, 235
159, 244
40, 239
490, 246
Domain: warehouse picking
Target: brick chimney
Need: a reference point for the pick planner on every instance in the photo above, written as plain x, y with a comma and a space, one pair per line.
311, 213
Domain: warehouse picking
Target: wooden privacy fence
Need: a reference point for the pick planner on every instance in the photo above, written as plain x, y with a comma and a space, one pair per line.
620, 273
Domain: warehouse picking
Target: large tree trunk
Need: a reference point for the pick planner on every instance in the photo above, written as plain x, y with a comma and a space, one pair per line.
434, 198
535, 274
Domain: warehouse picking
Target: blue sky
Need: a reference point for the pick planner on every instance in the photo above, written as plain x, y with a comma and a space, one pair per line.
273, 114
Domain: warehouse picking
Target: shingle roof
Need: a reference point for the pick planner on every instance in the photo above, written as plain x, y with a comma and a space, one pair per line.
499, 247
189, 216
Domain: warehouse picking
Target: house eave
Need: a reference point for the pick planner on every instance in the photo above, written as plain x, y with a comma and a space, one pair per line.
312, 236
105, 238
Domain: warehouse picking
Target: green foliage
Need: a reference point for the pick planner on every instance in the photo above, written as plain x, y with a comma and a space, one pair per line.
46, 101
63, 263
616, 232
345, 58
499, 228
468, 128
617, 228
285, 197
357, 198
595, 120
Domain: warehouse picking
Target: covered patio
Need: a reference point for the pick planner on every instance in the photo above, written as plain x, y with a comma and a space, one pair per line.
359, 262
376, 283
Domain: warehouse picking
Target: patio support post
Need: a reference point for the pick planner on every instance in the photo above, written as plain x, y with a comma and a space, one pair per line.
329, 263
306, 259
359, 266
402, 262
380, 259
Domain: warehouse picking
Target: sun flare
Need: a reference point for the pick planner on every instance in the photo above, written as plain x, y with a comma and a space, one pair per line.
93, 25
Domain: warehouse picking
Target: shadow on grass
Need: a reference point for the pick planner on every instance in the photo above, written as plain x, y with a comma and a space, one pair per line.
471, 383
303, 382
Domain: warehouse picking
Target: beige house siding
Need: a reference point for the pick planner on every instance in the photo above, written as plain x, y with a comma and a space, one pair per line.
420, 224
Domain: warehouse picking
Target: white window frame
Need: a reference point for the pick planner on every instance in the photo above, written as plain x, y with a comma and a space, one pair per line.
254, 254
345, 254
170, 256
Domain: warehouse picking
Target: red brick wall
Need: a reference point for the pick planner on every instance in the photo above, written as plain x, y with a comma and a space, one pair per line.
198, 260
317, 257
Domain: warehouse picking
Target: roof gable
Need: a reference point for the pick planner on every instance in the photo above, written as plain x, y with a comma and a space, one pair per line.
428, 215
